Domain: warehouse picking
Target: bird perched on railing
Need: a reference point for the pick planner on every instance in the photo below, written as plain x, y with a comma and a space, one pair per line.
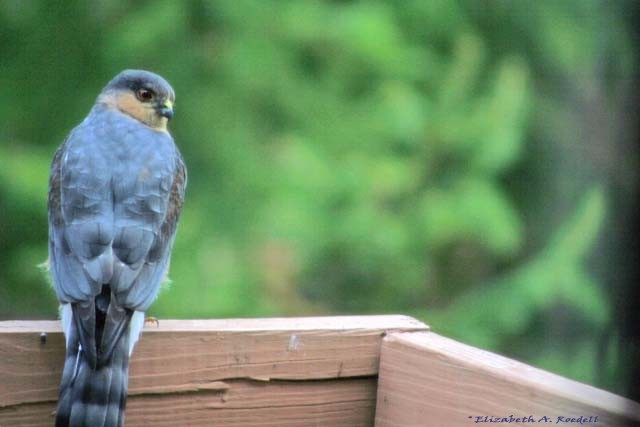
115, 194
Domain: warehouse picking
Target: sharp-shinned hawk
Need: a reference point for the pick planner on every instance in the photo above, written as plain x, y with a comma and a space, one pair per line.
115, 194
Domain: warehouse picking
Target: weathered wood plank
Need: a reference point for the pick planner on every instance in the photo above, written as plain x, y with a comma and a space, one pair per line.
426, 379
235, 403
188, 357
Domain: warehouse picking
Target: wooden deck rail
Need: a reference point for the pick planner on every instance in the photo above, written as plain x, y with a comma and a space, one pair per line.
323, 371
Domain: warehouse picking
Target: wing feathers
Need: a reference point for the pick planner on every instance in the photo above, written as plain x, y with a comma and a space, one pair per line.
116, 324
84, 317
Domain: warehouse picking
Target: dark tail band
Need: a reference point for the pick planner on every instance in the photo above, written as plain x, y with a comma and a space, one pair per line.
93, 397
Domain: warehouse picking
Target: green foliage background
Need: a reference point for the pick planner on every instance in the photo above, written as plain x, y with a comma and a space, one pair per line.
434, 158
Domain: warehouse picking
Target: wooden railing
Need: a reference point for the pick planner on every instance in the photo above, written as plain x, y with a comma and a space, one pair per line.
325, 371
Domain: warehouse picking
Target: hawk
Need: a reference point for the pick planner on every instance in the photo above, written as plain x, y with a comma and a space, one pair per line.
116, 190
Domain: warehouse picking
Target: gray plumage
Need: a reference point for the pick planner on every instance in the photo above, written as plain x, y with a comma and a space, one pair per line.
116, 191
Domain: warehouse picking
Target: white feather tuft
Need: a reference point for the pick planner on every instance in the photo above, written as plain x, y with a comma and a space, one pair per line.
135, 329
66, 317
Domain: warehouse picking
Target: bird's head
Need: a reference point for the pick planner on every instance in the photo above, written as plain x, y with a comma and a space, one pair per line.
143, 95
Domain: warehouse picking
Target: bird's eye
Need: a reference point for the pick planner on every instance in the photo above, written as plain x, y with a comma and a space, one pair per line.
144, 95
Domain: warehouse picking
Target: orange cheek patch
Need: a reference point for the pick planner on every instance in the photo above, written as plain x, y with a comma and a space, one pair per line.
127, 103
130, 105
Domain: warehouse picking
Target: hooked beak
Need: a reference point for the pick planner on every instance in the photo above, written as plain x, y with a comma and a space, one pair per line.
166, 109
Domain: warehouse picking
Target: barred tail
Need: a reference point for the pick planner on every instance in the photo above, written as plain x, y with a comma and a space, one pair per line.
93, 397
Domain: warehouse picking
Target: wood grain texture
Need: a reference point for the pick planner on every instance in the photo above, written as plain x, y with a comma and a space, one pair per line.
184, 366
429, 380
235, 403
